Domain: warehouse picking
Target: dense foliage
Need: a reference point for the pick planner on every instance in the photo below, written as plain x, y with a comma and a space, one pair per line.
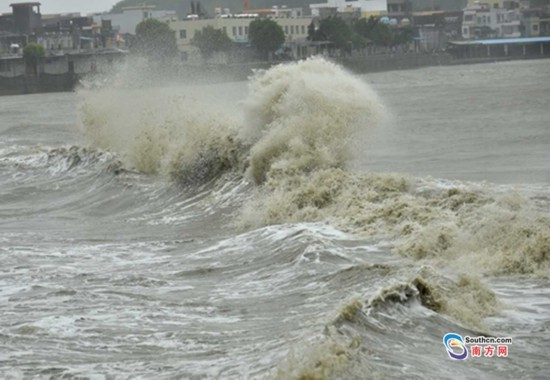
155, 40
210, 40
382, 34
335, 30
32, 53
359, 34
265, 35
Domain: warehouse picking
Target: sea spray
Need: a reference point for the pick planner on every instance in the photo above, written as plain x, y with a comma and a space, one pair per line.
480, 232
301, 125
301, 120
305, 116
161, 133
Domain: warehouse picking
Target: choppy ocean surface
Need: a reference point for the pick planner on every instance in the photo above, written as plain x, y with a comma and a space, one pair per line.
306, 224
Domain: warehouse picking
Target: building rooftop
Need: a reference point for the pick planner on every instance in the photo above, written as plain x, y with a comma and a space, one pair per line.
502, 41
429, 13
139, 7
33, 4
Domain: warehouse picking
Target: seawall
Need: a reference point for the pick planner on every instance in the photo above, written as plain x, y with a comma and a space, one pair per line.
27, 84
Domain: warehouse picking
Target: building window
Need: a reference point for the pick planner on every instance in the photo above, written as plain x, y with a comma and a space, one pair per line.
535, 28
234, 30
291, 29
303, 29
240, 30
286, 29
225, 30
468, 18
183, 34
246, 30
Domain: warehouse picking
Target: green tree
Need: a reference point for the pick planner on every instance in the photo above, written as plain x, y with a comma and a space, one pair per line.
404, 35
337, 31
364, 27
210, 40
379, 33
265, 35
311, 31
155, 40
32, 53
382, 34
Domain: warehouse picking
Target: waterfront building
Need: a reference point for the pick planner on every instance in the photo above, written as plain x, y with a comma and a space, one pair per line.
19, 27
365, 8
435, 28
236, 26
502, 48
26, 17
536, 19
73, 43
399, 9
484, 20
127, 21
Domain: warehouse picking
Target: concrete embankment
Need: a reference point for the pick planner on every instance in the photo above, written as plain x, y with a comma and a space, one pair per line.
28, 84
213, 73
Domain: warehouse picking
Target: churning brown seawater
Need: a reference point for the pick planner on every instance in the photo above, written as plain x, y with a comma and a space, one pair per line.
306, 224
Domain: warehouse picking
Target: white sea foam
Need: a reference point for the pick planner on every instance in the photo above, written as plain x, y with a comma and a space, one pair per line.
302, 122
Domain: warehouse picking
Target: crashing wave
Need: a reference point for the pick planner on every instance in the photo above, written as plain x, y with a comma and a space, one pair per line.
302, 123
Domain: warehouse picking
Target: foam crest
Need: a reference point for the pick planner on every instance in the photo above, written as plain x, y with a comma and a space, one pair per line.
158, 132
301, 122
467, 300
481, 231
304, 116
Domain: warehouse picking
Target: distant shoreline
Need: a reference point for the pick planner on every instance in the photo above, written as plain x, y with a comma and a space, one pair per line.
47, 83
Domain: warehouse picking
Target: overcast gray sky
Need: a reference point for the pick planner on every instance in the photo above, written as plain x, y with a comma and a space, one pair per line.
64, 6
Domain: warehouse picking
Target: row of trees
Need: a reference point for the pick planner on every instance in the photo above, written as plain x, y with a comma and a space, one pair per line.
155, 39
265, 36
359, 34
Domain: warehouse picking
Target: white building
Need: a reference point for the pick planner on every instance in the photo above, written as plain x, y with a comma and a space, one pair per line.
236, 27
506, 4
367, 8
126, 22
483, 20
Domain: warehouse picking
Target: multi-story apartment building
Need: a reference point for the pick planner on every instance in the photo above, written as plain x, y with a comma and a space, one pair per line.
491, 20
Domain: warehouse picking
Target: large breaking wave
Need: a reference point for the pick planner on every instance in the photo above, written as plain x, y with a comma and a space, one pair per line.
292, 138
267, 164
